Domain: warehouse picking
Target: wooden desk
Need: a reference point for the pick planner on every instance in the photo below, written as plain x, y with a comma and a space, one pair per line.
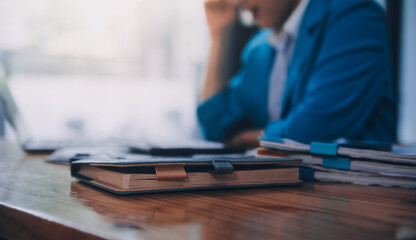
40, 200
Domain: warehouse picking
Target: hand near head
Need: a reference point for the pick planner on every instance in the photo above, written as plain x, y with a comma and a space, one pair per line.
219, 15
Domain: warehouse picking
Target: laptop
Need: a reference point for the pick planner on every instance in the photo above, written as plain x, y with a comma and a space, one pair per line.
176, 146
28, 144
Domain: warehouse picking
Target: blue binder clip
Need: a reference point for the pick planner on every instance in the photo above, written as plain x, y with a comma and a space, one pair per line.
336, 162
324, 148
330, 151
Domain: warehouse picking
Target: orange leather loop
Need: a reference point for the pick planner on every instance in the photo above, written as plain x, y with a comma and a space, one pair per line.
171, 172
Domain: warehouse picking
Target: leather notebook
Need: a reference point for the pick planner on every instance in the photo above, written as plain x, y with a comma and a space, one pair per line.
122, 176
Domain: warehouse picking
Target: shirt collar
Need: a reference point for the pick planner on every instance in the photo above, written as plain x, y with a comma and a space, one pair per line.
292, 24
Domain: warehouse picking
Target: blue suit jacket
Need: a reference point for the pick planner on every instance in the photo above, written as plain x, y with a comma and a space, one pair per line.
340, 82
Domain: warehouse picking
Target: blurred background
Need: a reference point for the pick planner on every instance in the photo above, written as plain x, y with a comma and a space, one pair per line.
101, 68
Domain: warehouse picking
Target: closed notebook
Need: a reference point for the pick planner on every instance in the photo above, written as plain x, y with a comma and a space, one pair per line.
142, 175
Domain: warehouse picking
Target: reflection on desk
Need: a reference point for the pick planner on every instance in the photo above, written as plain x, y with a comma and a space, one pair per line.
40, 200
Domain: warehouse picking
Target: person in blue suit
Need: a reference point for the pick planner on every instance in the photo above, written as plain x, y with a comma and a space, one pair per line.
331, 79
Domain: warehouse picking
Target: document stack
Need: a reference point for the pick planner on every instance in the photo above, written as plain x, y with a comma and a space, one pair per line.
331, 162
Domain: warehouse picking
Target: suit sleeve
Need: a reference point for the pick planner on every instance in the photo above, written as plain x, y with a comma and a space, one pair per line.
349, 77
219, 113
232, 110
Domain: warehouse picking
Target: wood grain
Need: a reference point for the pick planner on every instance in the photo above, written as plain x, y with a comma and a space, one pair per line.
40, 200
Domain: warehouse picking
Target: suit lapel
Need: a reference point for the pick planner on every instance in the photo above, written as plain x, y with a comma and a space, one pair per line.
309, 33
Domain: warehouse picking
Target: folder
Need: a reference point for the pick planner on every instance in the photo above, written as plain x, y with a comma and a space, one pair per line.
332, 162
338, 155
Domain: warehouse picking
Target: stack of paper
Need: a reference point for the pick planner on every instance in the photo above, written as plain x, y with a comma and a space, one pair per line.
331, 162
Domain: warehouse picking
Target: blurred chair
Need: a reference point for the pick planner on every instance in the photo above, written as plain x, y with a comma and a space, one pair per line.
394, 21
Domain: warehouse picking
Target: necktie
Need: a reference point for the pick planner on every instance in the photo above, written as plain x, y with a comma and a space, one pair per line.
279, 75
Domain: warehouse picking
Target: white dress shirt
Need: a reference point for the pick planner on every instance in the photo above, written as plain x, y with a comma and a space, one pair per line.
284, 42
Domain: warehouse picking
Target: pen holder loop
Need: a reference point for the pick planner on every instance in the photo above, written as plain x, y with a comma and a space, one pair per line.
170, 172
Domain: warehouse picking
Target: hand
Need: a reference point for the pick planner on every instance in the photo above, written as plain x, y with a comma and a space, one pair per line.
219, 15
248, 139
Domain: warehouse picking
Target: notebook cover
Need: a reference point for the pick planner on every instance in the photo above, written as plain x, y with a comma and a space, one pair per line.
140, 160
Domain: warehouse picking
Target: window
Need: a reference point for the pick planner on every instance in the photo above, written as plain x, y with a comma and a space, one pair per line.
102, 68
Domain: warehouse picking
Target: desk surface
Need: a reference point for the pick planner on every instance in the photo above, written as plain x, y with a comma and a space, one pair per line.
40, 200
